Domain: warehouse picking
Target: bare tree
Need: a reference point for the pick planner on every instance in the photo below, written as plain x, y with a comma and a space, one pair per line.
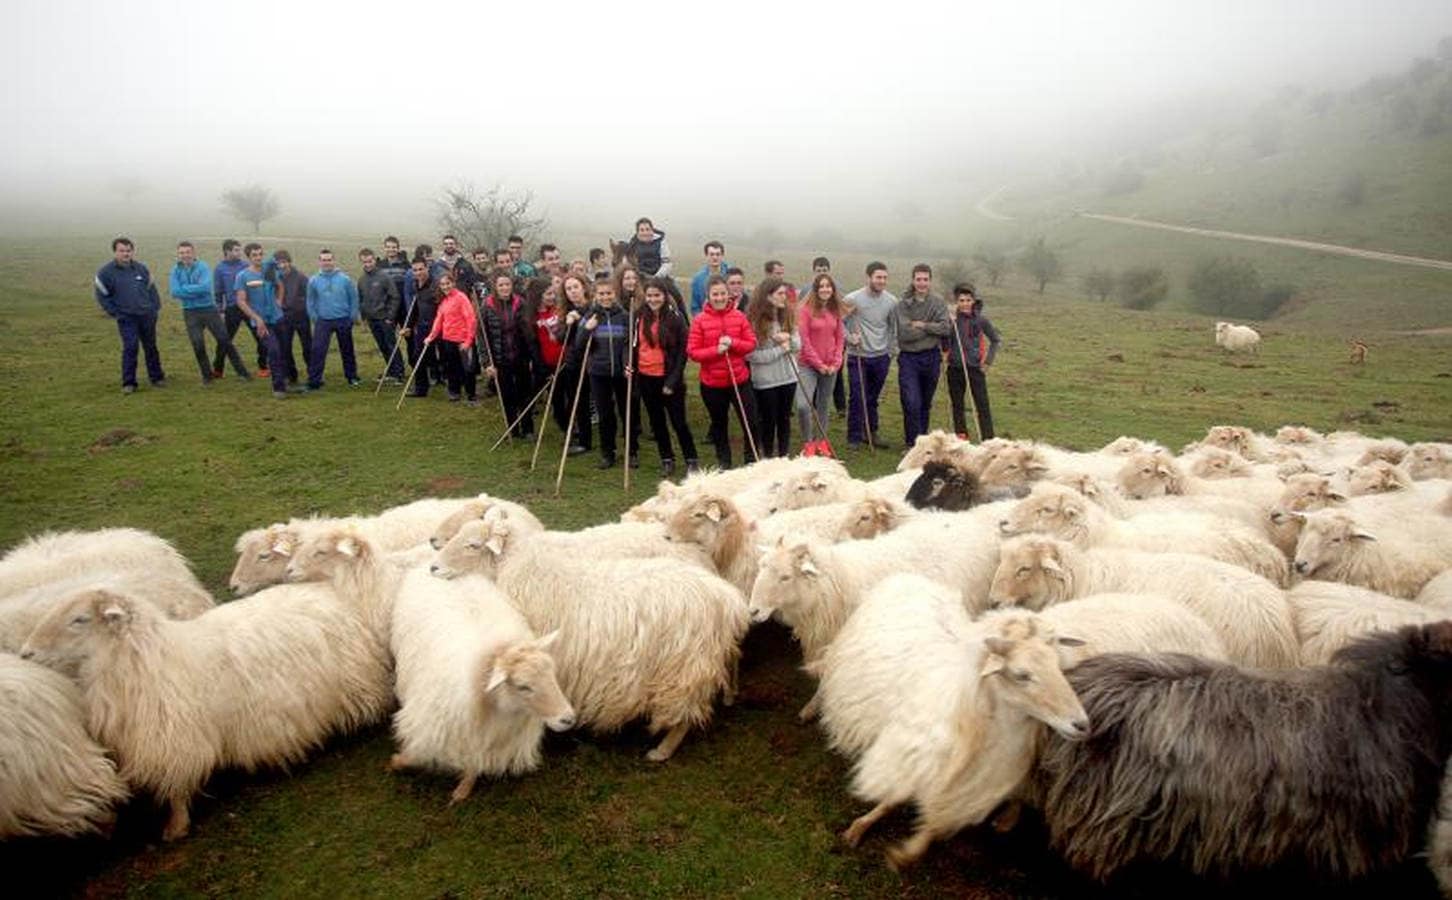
251, 203
1099, 284
1041, 262
993, 262
486, 218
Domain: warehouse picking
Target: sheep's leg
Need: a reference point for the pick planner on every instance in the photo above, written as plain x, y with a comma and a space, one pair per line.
180, 820
667, 747
733, 685
855, 831
464, 788
814, 706
398, 761
1007, 817
911, 850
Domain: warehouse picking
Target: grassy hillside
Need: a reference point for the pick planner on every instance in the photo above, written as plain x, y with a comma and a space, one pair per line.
750, 807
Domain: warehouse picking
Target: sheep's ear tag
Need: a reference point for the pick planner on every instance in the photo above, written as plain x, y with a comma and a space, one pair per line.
496, 678
713, 512
348, 547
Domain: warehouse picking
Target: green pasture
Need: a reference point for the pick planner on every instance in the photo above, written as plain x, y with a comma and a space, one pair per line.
750, 807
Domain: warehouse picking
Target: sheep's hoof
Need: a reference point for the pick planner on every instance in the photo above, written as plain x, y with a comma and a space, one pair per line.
852, 835
177, 825
728, 698
463, 790
899, 859
397, 761
658, 755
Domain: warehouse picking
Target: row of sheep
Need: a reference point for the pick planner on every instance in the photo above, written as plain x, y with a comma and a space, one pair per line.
648, 623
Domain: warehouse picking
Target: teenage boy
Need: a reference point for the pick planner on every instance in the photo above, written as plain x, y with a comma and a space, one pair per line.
871, 336
716, 265
126, 293
922, 324
254, 299
332, 308
966, 357
517, 264
292, 296
223, 277
379, 302
191, 285
736, 288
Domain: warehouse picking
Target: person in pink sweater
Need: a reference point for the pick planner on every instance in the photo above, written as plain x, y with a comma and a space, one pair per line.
454, 329
819, 321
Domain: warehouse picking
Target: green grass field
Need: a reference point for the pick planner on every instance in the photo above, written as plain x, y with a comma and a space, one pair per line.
750, 807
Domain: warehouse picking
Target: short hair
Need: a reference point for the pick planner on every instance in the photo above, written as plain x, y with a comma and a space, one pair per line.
604, 281
732, 271
513, 238
179, 245
923, 267
644, 221
390, 240
595, 253
545, 248
717, 244
247, 250
325, 250
367, 251
423, 251
504, 251
822, 261
282, 256
449, 237
478, 250
227, 245
122, 240
875, 266
770, 264
419, 260
715, 280
965, 287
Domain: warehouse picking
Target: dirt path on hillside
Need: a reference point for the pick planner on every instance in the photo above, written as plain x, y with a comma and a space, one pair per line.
1337, 249
983, 209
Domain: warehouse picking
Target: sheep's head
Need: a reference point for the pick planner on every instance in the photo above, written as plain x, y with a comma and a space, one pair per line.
327, 553
470, 511
1296, 434
1385, 451
1049, 509
72, 629
1213, 462
1150, 475
1328, 538
711, 521
1087, 485
1234, 438
1304, 493
785, 575
1013, 467
1124, 446
870, 517
801, 490
657, 508
1023, 666
1429, 461
1221, 328
477, 548
935, 445
944, 486
522, 676
1376, 477
262, 557
1033, 572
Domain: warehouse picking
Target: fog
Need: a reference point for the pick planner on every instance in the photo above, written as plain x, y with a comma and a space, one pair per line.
745, 113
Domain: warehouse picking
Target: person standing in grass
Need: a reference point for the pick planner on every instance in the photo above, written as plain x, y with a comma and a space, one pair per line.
126, 293
333, 308
720, 340
773, 318
819, 321
379, 301
871, 335
606, 329
224, 277
964, 353
254, 298
506, 328
453, 336
191, 285
716, 265
576, 289
660, 365
418, 322
921, 325
292, 296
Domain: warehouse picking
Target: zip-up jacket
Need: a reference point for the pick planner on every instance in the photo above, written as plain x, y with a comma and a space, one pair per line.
332, 295
223, 277
377, 296
928, 309
969, 332
455, 321
717, 369
399, 271
502, 328
192, 285
698, 286
672, 337
771, 364
652, 257
424, 306
292, 294
612, 339
126, 290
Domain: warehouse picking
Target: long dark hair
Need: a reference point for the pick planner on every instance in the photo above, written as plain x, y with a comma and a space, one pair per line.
833, 304
646, 316
763, 314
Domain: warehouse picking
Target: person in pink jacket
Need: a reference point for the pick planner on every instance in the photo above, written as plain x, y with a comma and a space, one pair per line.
454, 329
819, 321
720, 340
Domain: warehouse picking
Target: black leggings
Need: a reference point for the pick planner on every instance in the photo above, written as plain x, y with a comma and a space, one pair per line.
774, 407
718, 402
660, 406
459, 370
979, 386
564, 398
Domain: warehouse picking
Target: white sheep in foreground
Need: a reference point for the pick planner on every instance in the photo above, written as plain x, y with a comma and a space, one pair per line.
1336, 546
940, 711
477, 508
1437, 593
1329, 615
54, 778
1247, 612
252, 683
69, 555
1237, 338
1299, 436
1129, 623
834, 522
1065, 514
475, 687
1429, 460
653, 638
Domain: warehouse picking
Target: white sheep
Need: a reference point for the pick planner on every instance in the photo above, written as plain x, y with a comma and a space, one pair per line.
714, 524
1147, 475
1124, 445
1437, 593
653, 638
1242, 442
752, 487
1388, 450
1063, 513
1335, 546
475, 687
1377, 477
801, 490
68, 555
1299, 436
1017, 466
1247, 612
1129, 623
477, 508
54, 779
940, 711
1237, 338
1429, 460
834, 522
1329, 615
252, 683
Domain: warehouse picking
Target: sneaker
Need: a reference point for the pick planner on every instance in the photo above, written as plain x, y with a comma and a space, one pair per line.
354, 382
264, 372
279, 395
606, 462
454, 398
128, 388
809, 448
218, 373
577, 449
312, 388
160, 382
825, 449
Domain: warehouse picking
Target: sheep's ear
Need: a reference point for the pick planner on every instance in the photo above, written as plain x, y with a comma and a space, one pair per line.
1298, 516
1065, 641
495, 544
805, 564
548, 640
496, 678
1336, 496
1069, 510
347, 546
281, 547
113, 610
1050, 564
1361, 535
1163, 471
818, 482
998, 646
713, 512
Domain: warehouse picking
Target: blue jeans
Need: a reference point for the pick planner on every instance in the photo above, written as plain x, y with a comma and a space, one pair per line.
917, 382
323, 330
276, 362
138, 329
387, 340
872, 370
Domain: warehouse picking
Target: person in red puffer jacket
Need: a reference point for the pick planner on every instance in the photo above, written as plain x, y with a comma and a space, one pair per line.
719, 340
453, 334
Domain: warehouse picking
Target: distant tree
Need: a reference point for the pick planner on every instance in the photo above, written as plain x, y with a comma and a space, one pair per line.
947, 274
993, 262
1141, 287
1275, 298
1041, 262
486, 218
1227, 286
251, 203
1099, 284
1352, 190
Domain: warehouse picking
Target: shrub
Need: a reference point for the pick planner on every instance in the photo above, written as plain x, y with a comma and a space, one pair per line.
1041, 262
1099, 284
1141, 287
1228, 287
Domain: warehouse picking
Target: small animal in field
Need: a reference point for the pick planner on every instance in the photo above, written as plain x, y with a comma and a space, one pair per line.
620, 253
1358, 351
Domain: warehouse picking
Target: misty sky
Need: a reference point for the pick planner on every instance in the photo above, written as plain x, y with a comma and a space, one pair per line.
653, 101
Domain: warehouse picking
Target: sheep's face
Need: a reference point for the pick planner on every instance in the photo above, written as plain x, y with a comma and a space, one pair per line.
262, 558
1217, 463
1304, 493
1328, 539
477, 548
1050, 509
784, 575
326, 553
1378, 477
703, 519
72, 629
1221, 328
1234, 438
1146, 475
1296, 434
1386, 451
474, 509
801, 490
1124, 446
943, 486
1086, 485
936, 445
1032, 573
522, 676
868, 518
1425, 461
1023, 666
1014, 467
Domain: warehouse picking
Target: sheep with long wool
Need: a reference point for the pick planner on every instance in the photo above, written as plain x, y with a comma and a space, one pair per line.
477, 508
1429, 460
1330, 615
1335, 545
1128, 623
1237, 338
840, 521
1437, 593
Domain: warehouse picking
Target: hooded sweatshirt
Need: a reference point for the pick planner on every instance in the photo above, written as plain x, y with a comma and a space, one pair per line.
192, 285
332, 295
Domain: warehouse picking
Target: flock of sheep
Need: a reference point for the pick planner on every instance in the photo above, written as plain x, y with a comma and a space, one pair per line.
1229, 659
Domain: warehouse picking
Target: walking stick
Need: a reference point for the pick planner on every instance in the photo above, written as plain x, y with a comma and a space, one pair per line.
811, 406
963, 364
862, 380
482, 331
574, 408
519, 418
554, 379
741, 409
629, 385
396, 343
413, 372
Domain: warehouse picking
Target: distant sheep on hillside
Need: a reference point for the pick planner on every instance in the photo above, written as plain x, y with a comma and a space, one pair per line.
1237, 338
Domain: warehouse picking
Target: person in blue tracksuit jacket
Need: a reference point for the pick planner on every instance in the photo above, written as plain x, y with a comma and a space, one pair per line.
191, 285
126, 293
332, 308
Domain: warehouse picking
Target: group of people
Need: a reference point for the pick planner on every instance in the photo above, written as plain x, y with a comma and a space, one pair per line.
603, 339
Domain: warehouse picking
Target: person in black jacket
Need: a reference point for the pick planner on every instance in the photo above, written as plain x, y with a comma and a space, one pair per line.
659, 362
608, 324
508, 331
576, 290
417, 324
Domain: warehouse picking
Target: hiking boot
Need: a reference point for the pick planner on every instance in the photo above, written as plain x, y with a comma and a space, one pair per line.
218, 373
264, 372
667, 468
606, 462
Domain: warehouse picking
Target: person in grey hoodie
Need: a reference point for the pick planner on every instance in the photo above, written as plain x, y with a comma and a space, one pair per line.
922, 323
332, 308
773, 317
871, 336
379, 302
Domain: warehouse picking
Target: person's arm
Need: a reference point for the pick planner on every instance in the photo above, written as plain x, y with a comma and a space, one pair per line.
219, 289
839, 347
993, 342
353, 311
936, 322
251, 314
744, 340
675, 360
312, 303
394, 308
696, 347
810, 357
437, 330
665, 260
105, 297
471, 320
